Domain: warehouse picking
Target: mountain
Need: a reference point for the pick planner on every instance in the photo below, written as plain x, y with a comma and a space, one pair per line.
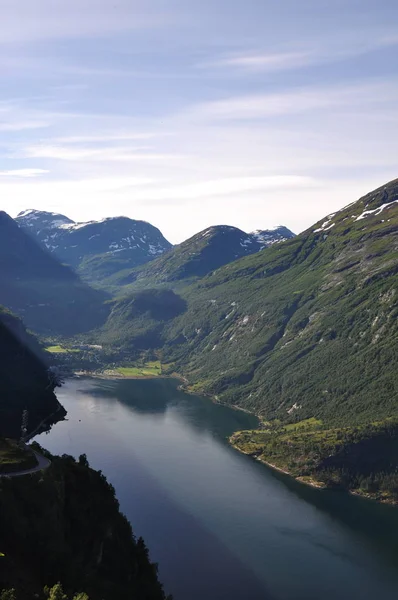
48, 296
24, 380
96, 249
305, 335
205, 252
306, 328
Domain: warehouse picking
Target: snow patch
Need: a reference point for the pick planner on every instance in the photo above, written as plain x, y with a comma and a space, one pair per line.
375, 211
293, 408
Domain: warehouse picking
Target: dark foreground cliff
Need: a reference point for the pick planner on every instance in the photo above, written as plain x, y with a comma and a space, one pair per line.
25, 382
64, 524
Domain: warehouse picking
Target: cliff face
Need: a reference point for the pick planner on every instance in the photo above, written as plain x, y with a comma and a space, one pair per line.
24, 381
65, 525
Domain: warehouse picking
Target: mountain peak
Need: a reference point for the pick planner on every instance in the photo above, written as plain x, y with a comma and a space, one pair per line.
95, 248
41, 219
273, 235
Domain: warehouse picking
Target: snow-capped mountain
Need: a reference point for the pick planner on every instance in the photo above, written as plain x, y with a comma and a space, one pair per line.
206, 251
96, 248
118, 245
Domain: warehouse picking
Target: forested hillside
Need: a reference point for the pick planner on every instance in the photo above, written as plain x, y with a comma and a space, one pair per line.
24, 380
65, 525
306, 328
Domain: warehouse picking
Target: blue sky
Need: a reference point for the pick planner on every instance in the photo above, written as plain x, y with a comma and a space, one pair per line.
189, 113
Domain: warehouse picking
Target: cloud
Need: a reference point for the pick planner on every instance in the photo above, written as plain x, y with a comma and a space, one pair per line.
108, 137
262, 62
305, 54
224, 187
23, 173
263, 106
93, 153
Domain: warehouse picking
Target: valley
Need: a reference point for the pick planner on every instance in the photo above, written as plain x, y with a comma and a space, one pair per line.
303, 329
293, 344
198, 300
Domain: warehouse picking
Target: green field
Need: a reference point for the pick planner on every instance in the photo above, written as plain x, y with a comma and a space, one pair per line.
13, 458
150, 369
60, 350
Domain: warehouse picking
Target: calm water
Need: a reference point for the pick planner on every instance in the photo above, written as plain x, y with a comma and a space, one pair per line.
221, 525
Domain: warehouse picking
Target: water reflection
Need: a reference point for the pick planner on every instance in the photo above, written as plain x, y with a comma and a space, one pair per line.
220, 524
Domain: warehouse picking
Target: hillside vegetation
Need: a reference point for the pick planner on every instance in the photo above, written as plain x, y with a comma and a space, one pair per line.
64, 524
24, 379
363, 459
306, 328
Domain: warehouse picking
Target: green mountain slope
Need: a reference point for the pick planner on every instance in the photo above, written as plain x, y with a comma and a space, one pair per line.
305, 328
47, 295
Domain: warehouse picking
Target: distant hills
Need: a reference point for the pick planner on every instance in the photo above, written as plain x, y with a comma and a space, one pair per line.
49, 296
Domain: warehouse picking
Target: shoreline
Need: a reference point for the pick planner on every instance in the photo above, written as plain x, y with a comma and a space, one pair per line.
314, 483
184, 386
115, 375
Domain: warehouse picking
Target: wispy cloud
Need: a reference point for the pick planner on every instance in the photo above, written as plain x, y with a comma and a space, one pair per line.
295, 101
109, 137
225, 187
261, 61
23, 173
93, 153
305, 54
291, 113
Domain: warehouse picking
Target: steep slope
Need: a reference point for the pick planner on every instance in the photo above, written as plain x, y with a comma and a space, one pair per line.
95, 249
137, 322
65, 525
205, 252
306, 328
24, 380
47, 295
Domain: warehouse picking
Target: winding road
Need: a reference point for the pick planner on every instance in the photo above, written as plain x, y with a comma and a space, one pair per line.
42, 463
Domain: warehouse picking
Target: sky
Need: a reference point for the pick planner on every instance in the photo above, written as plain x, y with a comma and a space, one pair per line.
191, 113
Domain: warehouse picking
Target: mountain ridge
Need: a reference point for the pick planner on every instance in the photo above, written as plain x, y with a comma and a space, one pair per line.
94, 248
115, 250
204, 252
